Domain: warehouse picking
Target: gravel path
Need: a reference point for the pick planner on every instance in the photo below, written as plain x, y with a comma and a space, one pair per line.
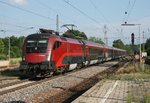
40, 92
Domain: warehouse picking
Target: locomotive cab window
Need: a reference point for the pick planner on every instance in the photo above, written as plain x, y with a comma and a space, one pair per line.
31, 43
42, 43
56, 45
36, 45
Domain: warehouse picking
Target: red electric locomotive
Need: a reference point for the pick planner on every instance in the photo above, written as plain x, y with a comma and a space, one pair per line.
46, 52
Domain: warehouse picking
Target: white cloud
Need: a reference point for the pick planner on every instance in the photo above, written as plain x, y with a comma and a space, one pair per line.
19, 2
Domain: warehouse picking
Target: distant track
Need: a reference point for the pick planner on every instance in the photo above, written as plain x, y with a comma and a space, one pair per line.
8, 67
8, 78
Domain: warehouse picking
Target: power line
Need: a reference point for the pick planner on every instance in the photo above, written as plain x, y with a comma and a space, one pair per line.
22, 27
96, 8
128, 4
92, 19
10, 24
50, 8
128, 11
26, 29
99, 11
131, 9
31, 12
22, 23
46, 6
7, 30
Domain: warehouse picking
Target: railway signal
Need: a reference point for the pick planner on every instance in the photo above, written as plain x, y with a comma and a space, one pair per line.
139, 34
132, 38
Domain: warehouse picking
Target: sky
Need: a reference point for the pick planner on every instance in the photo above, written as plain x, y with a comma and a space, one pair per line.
24, 17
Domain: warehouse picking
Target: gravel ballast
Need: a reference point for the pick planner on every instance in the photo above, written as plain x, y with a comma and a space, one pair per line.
40, 92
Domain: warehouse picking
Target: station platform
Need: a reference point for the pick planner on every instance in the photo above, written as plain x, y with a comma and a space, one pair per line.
109, 91
115, 91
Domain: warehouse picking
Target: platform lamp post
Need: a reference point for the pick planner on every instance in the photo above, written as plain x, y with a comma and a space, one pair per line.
139, 34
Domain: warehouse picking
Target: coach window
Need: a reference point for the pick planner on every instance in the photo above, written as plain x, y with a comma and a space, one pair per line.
56, 45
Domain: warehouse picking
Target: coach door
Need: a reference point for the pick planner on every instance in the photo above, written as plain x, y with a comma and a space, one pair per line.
86, 55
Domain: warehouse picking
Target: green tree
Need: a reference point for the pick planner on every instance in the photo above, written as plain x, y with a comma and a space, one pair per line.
147, 46
97, 40
15, 52
20, 41
6, 43
16, 44
75, 34
118, 44
128, 48
1, 46
13, 41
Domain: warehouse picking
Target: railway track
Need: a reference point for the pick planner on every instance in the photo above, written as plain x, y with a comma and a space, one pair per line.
11, 87
65, 85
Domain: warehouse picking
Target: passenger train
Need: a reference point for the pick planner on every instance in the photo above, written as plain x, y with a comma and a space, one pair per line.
47, 53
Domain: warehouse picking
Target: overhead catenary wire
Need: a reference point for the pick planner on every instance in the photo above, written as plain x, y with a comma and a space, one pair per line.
54, 10
57, 12
83, 13
126, 14
126, 11
7, 30
25, 10
128, 4
14, 25
104, 17
24, 28
131, 9
22, 23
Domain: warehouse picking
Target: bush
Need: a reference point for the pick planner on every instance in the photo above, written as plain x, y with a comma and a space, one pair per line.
15, 61
3, 57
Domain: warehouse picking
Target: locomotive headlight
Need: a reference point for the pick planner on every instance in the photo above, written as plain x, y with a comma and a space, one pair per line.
23, 57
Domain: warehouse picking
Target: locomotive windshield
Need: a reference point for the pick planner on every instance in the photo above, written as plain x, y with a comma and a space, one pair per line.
36, 46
